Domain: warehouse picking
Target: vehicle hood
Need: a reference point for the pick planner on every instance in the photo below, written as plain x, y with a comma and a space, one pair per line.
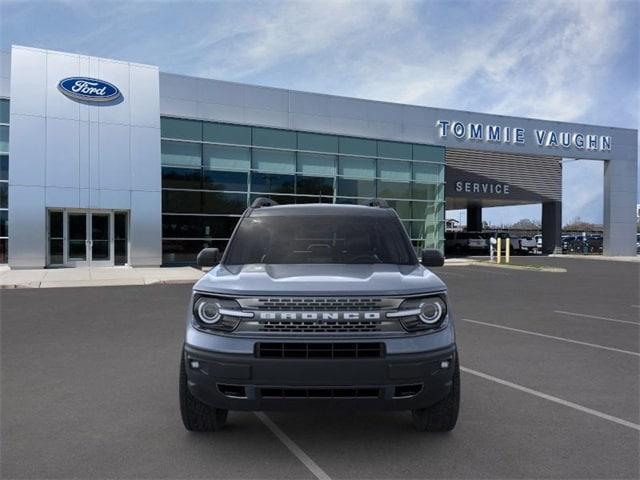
316, 279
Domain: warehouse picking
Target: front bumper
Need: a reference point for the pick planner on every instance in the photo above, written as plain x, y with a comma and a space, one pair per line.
363, 383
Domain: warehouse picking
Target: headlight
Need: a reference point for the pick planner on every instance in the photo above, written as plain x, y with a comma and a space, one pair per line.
421, 313
431, 310
208, 311
217, 313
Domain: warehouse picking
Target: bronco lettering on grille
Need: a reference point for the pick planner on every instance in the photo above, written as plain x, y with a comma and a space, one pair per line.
319, 315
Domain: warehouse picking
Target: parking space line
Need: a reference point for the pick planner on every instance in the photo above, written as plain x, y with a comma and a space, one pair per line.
293, 447
551, 398
562, 339
596, 317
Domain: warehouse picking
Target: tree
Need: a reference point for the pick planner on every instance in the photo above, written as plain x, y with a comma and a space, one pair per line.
525, 224
579, 225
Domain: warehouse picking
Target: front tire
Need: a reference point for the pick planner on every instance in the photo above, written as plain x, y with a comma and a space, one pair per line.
442, 416
198, 416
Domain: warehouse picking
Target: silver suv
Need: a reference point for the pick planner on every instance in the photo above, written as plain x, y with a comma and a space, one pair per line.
319, 306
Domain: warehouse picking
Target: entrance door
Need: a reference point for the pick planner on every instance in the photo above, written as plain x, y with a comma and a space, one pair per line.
87, 238
100, 242
77, 240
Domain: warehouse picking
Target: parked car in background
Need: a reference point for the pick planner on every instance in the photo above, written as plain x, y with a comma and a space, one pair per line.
473, 243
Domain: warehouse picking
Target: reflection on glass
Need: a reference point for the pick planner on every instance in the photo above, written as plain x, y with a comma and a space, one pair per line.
120, 245
100, 237
77, 236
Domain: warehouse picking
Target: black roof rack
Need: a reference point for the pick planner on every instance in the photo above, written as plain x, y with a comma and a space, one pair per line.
263, 202
377, 202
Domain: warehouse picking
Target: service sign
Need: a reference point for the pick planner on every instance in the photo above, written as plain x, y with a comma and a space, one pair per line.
88, 89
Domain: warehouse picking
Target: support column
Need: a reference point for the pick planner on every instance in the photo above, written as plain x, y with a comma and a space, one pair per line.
551, 227
474, 218
620, 191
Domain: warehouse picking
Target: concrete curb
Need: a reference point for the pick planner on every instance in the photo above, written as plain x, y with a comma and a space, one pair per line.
520, 267
99, 277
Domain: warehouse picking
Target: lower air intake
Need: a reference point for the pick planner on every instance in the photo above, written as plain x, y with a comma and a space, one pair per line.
316, 392
320, 350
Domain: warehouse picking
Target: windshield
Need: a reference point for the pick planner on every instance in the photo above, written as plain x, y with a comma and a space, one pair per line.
343, 239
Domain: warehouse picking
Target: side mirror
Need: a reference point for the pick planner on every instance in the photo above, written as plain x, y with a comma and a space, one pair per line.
432, 258
208, 257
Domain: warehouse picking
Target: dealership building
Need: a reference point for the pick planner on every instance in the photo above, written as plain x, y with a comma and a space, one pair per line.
107, 162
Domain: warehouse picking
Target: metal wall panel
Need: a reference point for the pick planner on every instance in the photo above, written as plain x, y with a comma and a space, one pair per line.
82, 155
531, 178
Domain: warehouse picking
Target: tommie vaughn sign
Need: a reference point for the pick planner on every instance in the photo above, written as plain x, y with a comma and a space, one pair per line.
479, 132
88, 89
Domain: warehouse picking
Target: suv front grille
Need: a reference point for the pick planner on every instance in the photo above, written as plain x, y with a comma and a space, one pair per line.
315, 303
320, 326
319, 350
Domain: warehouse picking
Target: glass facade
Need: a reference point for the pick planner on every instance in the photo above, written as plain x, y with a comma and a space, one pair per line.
4, 180
211, 172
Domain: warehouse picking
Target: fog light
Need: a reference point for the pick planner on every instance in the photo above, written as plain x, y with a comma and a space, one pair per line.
194, 364
444, 364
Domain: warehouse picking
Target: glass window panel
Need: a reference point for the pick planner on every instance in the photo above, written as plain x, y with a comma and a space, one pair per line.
56, 248
217, 180
185, 251
279, 199
394, 171
356, 188
178, 128
55, 225
394, 189
269, 183
77, 229
4, 139
4, 219
403, 209
428, 173
4, 111
423, 191
219, 227
226, 158
422, 210
182, 178
120, 243
357, 167
422, 230
271, 137
428, 153
185, 226
307, 200
274, 161
394, 150
316, 164
4, 195
358, 146
175, 201
182, 226
224, 133
179, 153
4, 167
314, 185
217, 202
317, 143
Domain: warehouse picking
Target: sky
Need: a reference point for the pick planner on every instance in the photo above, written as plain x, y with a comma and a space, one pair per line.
558, 60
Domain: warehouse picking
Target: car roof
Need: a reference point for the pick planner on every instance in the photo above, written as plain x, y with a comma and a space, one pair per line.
319, 209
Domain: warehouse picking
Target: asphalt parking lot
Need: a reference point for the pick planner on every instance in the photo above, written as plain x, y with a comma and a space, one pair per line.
550, 388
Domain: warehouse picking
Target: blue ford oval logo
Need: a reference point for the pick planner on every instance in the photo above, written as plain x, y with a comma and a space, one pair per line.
89, 89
